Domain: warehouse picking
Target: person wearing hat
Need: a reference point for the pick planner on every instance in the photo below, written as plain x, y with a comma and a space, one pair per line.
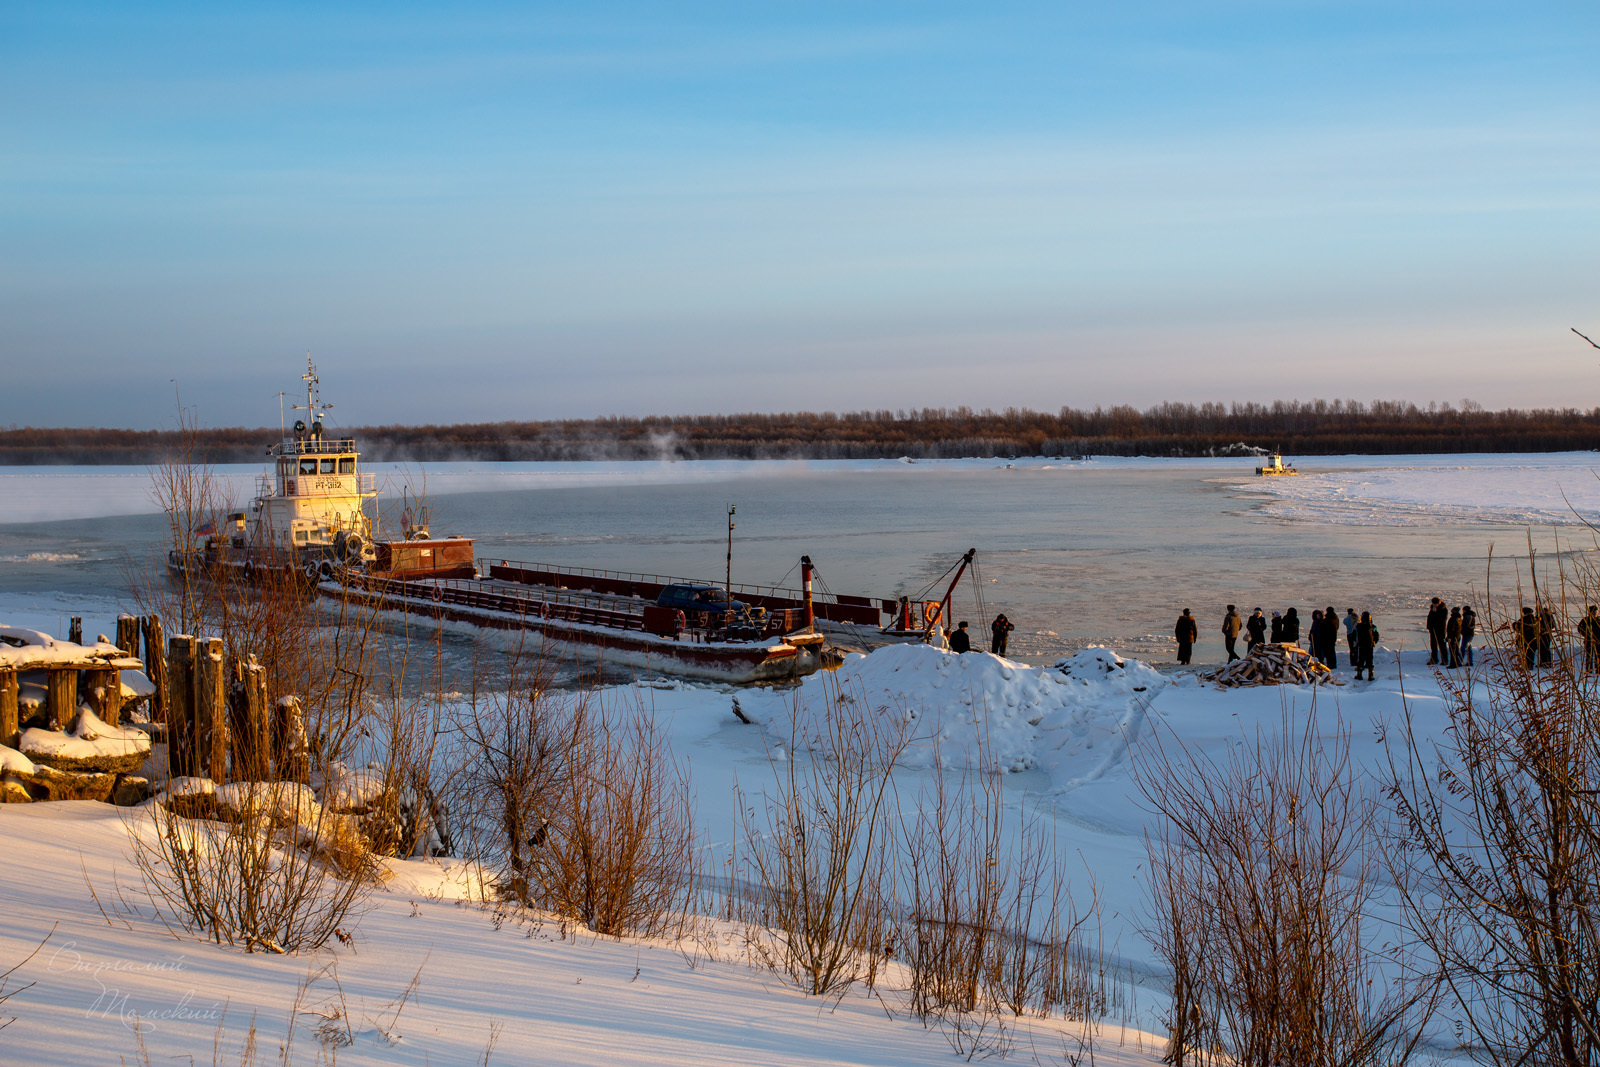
1366, 639
1000, 631
1231, 625
961, 641
1187, 632
1255, 629
1589, 632
1526, 630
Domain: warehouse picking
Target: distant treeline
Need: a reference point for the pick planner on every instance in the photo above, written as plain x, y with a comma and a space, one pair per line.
1297, 428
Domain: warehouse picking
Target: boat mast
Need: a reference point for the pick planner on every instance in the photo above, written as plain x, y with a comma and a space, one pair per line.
313, 407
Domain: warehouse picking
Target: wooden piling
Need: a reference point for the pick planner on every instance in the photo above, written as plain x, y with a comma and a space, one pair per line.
128, 634
8, 709
103, 690
211, 713
180, 686
290, 749
155, 665
61, 697
250, 723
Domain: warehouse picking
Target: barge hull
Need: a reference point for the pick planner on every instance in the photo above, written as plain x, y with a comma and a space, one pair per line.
736, 663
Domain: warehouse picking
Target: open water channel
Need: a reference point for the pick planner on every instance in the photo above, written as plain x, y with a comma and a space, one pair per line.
1098, 552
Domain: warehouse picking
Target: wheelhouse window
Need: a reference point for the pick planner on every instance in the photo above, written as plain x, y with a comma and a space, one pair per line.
347, 464
327, 465
308, 466
300, 535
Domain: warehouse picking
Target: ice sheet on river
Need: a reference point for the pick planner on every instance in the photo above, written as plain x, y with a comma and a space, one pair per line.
1518, 490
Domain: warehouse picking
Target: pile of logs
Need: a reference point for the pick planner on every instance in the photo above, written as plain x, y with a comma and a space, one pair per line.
1273, 665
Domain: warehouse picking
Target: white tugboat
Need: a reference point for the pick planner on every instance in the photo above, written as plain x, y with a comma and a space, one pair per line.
310, 511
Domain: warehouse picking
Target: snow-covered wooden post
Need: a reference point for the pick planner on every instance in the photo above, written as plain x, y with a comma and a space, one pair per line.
8, 708
210, 713
61, 697
180, 706
103, 688
155, 665
128, 634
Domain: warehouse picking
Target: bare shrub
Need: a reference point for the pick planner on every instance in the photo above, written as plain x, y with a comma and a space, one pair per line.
953, 851
581, 806
819, 849
281, 874
513, 762
619, 851
1498, 852
990, 924
1261, 878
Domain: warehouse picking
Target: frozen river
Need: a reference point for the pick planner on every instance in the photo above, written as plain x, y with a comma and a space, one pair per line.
1103, 551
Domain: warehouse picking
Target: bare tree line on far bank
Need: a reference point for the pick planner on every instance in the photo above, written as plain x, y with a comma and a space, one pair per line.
1303, 428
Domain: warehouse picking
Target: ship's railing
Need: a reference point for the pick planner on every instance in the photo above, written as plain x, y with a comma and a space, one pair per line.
564, 607
291, 446
835, 607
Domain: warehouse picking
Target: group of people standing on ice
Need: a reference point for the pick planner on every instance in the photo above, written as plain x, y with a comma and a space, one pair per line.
1450, 634
1322, 634
1535, 633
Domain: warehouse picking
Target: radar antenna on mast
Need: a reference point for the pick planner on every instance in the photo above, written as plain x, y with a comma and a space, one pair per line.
313, 407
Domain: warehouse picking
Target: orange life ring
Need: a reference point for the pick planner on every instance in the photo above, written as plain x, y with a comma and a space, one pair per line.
288, 487
438, 594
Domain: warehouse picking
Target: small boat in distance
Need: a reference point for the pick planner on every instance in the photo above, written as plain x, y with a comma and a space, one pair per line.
1275, 467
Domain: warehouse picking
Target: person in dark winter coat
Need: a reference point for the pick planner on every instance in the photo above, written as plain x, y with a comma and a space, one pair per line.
1526, 631
961, 641
1350, 622
1231, 625
1000, 631
1291, 626
1255, 629
1589, 633
1314, 635
1330, 637
1469, 630
1366, 640
1277, 628
1452, 633
1547, 635
1437, 614
1187, 632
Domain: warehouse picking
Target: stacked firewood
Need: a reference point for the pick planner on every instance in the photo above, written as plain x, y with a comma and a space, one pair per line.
1273, 665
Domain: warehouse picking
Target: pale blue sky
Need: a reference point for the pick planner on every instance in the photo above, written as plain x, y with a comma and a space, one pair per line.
488, 212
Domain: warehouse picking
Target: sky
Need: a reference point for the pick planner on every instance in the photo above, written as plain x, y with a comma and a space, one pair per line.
476, 212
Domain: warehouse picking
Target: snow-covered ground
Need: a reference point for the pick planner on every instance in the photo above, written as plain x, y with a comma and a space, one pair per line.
1067, 737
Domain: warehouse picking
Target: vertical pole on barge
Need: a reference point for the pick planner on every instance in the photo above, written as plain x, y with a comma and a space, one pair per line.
728, 589
805, 579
